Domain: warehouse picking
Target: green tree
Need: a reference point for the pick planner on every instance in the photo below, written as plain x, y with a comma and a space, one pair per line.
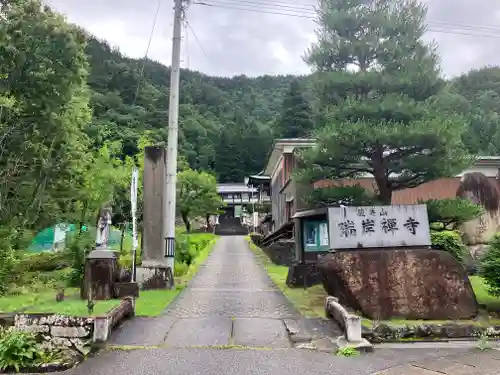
296, 120
196, 195
43, 114
378, 83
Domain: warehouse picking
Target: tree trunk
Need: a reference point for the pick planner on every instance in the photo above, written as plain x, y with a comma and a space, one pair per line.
381, 178
207, 219
185, 219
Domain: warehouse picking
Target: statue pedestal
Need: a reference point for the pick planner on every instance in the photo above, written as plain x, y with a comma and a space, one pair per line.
101, 272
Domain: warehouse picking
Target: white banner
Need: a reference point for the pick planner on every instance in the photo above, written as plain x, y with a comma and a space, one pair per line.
133, 205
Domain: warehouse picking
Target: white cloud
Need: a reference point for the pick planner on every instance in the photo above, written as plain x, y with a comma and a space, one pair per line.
239, 42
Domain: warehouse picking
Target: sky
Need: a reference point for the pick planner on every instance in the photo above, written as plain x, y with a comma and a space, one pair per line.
226, 42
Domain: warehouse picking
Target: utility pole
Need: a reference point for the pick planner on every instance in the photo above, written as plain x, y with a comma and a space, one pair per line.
173, 131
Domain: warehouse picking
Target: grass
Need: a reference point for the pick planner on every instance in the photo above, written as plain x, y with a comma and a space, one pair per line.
309, 302
154, 302
45, 302
149, 303
483, 297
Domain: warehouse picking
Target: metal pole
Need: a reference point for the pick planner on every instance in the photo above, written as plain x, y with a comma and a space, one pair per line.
173, 120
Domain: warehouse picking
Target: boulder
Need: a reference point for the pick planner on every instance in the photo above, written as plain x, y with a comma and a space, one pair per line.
413, 284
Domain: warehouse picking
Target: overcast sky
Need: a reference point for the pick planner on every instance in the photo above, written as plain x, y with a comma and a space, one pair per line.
252, 43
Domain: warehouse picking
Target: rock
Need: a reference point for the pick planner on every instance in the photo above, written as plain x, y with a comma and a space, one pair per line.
303, 276
414, 284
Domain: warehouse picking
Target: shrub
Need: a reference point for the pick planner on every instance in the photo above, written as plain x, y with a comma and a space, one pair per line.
17, 349
449, 241
77, 249
490, 266
7, 261
43, 262
180, 269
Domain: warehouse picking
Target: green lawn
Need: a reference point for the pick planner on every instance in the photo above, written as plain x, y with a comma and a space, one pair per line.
149, 303
45, 302
310, 302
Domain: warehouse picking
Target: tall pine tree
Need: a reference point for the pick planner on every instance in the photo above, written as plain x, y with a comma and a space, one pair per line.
296, 120
378, 81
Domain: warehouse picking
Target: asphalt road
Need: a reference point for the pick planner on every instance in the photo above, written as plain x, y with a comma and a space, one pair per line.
230, 321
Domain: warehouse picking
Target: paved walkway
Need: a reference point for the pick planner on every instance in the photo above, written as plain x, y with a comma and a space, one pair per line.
230, 320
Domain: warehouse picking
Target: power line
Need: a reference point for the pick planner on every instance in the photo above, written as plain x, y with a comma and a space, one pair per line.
143, 64
197, 40
293, 11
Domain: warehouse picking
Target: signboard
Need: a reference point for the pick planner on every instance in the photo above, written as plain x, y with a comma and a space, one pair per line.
378, 226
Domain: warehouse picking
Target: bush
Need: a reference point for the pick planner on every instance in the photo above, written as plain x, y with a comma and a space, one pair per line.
180, 269
17, 349
449, 241
77, 249
189, 246
490, 266
21, 350
43, 262
7, 261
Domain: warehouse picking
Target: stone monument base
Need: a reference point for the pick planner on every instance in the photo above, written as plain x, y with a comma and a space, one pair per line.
155, 277
413, 284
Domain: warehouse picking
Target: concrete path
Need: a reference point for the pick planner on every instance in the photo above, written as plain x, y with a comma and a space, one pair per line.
230, 320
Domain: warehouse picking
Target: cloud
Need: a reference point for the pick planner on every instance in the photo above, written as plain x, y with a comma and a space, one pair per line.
245, 42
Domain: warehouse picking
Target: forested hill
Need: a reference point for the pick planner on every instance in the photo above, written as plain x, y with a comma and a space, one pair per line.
226, 124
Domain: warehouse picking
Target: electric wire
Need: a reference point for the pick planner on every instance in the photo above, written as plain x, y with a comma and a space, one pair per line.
196, 39
143, 63
294, 11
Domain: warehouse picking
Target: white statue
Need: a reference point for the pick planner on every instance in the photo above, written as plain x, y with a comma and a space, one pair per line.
103, 228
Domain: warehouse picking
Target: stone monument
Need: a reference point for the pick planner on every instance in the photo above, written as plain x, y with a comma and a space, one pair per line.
382, 265
101, 265
154, 272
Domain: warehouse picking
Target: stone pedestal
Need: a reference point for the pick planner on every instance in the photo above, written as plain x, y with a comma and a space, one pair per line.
101, 272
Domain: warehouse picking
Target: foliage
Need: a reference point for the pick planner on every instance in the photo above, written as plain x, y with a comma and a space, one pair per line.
383, 119
449, 241
296, 120
7, 262
196, 195
451, 212
490, 266
77, 249
354, 195
348, 352
43, 65
17, 349
189, 246
43, 262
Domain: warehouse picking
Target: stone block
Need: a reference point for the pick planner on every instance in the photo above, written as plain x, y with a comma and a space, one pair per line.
69, 331
414, 284
126, 289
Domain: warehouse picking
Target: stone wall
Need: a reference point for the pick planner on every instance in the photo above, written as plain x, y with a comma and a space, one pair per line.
73, 332
59, 330
412, 284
